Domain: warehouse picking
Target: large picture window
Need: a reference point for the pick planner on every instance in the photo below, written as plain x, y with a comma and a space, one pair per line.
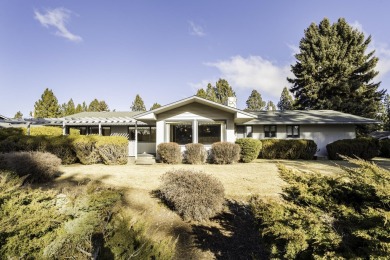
209, 133
144, 133
181, 133
270, 131
293, 131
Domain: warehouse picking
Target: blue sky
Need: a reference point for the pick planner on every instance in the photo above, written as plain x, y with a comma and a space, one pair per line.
163, 50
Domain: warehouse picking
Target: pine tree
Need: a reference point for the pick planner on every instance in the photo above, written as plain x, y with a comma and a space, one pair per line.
286, 101
255, 102
270, 106
333, 70
68, 108
155, 106
211, 93
47, 106
18, 115
138, 104
201, 93
386, 111
223, 90
97, 106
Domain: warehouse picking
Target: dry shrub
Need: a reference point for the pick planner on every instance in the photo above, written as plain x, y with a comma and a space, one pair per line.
225, 152
195, 154
84, 146
39, 167
113, 149
169, 153
193, 195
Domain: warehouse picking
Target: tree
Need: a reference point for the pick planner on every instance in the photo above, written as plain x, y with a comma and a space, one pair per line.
138, 104
98, 106
286, 101
68, 108
18, 115
333, 70
270, 106
223, 90
47, 106
255, 102
386, 113
155, 106
219, 93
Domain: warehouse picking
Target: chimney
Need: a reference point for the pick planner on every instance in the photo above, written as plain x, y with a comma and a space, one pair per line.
231, 102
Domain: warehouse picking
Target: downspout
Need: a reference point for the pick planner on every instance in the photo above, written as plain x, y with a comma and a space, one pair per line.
136, 141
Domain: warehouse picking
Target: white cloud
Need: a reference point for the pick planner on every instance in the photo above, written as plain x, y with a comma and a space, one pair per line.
254, 72
57, 18
196, 30
294, 49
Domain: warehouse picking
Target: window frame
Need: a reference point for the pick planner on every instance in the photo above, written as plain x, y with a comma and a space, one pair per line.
151, 138
270, 133
245, 132
216, 123
292, 135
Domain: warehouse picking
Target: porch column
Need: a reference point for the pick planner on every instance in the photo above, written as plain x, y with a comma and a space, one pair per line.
100, 128
195, 131
136, 141
63, 128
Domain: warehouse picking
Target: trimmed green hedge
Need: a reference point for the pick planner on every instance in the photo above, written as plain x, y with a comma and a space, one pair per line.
70, 149
364, 148
288, 149
250, 149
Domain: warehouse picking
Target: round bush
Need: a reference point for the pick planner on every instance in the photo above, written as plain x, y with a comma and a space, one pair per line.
193, 195
364, 148
250, 149
169, 153
195, 154
225, 152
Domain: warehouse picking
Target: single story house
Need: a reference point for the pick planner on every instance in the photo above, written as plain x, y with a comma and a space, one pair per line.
197, 120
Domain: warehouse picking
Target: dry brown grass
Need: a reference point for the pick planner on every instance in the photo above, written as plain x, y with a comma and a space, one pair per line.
222, 237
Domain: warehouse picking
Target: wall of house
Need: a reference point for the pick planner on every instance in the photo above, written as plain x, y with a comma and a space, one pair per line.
321, 134
192, 112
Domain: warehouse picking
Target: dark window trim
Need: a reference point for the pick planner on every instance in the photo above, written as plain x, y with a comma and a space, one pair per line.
268, 134
292, 131
150, 135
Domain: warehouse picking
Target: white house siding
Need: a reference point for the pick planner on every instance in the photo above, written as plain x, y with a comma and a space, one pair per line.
192, 112
322, 134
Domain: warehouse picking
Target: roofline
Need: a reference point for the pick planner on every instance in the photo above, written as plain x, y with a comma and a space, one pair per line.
194, 98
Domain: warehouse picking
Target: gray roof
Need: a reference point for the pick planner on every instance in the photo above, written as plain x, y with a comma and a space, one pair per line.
309, 117
103, 118
381, 135
103, 114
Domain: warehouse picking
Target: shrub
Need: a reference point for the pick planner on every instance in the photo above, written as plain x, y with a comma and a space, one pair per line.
193, 195
328, 217
39, 167
49, 131
169, 153
288, 149
62, 147
364, 148
195, 154
250, 149
84, 146
11, 131
113, 149
385, 148
225, 153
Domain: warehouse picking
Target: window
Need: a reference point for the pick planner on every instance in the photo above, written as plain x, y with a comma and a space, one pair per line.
209, 133
270, 131
144, 133
243, 131
106, 130
293, 131
93, 130
181, 133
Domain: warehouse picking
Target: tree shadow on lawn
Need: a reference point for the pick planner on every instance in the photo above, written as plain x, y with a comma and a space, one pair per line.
234, 237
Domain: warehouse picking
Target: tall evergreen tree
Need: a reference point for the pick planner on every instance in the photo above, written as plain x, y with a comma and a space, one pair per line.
18, 115
47, 106
138, 104
255, 102
386, 112
98, 106
211, 93
270, 106
333, 70
68, 108
155, 106
286, 101
223, 90
201, 93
